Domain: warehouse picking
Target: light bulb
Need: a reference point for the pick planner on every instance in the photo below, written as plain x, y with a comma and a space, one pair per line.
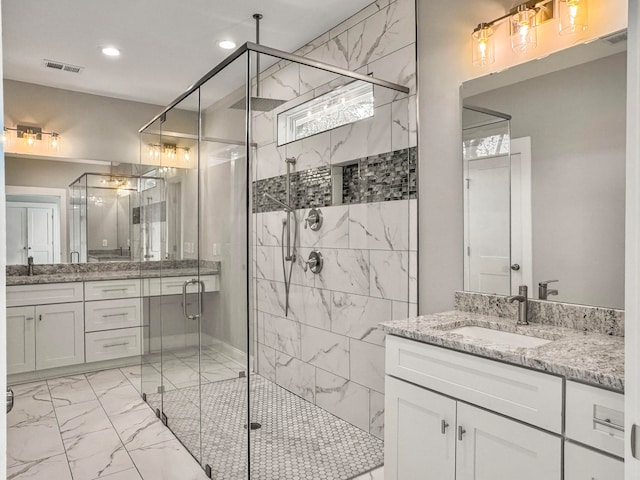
573, 15
482, 45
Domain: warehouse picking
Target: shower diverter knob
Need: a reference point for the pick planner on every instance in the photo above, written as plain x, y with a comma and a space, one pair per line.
314, 263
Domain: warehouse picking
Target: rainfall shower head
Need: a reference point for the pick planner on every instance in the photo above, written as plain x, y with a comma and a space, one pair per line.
258, 103
284, 206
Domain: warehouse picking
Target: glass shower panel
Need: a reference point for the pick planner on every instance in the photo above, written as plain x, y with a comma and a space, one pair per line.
151, 366
487, 202
179, 297
334, 255
224, 359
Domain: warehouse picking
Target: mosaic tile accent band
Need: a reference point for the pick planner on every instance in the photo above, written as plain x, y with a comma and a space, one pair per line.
608, 321
378, 178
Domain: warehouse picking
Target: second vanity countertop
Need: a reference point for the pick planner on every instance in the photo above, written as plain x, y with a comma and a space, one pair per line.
588, 357
110, 275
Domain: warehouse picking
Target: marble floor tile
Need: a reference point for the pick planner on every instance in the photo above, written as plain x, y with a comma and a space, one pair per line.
140, 428
96, 455
131, 474
32, 402
70, 390
33, 441
134, 375
55, 467
121, 400
82, 418
167, 460
106, 380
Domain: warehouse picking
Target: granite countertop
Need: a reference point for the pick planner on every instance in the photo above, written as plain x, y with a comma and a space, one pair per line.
109, 275
588, 357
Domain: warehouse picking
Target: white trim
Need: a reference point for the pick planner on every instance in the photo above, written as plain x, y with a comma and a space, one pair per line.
61, 193
523, 147
632, 241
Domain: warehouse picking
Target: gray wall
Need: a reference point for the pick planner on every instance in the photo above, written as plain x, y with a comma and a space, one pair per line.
31, 172
576, 121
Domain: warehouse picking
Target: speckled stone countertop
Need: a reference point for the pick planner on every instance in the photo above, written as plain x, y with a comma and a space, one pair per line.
108, 275
588, 357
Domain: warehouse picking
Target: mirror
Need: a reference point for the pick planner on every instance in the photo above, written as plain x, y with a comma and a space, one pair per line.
75, 212
544, 172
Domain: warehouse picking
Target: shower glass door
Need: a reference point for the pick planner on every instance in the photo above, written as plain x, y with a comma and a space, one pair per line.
196, 365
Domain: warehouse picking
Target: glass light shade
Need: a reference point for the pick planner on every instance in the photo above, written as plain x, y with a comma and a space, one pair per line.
573, 16
482, 46
524, 35
54, 142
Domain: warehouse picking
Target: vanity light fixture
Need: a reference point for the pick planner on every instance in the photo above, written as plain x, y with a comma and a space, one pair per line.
168, 152
573, 16
30, 136
523, 21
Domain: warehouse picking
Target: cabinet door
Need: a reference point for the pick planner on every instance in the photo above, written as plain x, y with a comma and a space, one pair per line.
580, 463
59, 335
491, 447
418, 446
21, 340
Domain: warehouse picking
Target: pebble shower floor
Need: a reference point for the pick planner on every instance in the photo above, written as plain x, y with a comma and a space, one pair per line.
297, 440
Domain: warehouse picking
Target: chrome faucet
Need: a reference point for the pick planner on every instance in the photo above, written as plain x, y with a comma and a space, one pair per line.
30, 266
543, 289
523, 308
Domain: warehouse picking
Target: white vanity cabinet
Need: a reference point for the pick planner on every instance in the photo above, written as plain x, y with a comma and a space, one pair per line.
44, 336
581, 463
45, 327
451, 415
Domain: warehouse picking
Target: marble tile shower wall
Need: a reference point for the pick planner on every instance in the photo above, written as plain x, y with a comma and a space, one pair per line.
329, 350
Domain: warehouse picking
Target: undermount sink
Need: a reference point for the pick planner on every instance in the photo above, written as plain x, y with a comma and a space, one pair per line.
498, 336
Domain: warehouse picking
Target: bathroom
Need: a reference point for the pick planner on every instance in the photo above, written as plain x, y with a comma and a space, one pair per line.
258, 292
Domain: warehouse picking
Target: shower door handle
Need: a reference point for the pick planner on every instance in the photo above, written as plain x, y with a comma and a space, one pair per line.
185, 311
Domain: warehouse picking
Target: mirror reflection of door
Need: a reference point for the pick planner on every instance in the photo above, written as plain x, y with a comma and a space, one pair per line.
497, 204
30, 233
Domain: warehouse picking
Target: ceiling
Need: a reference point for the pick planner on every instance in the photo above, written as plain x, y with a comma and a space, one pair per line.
166, 45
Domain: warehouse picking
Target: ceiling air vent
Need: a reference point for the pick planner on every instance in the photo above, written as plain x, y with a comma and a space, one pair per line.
66, 67
617, 37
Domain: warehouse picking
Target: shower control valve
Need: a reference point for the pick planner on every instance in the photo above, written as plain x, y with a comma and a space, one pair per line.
314, 263
313, 220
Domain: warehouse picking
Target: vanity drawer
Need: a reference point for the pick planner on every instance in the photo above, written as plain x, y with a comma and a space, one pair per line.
595, 417
580, 463
532, 397
108, 289
44, 294
173, 285
110, 314
110, 344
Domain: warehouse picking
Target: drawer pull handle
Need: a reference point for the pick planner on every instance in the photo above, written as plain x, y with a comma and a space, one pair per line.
123, 344
123, 314
443, 426
608, 423
115, 289
461, 431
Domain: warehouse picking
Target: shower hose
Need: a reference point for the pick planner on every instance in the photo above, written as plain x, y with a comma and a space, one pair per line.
287, 279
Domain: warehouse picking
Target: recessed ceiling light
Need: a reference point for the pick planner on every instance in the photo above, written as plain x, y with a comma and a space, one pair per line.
227, 44
111, 51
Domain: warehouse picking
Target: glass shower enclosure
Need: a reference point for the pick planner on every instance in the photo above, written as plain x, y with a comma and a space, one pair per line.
240, 163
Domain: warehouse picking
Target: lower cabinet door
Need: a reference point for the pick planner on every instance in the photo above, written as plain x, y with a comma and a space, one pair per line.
59, 335
580, 463
21, 339
491, 447
419, 433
